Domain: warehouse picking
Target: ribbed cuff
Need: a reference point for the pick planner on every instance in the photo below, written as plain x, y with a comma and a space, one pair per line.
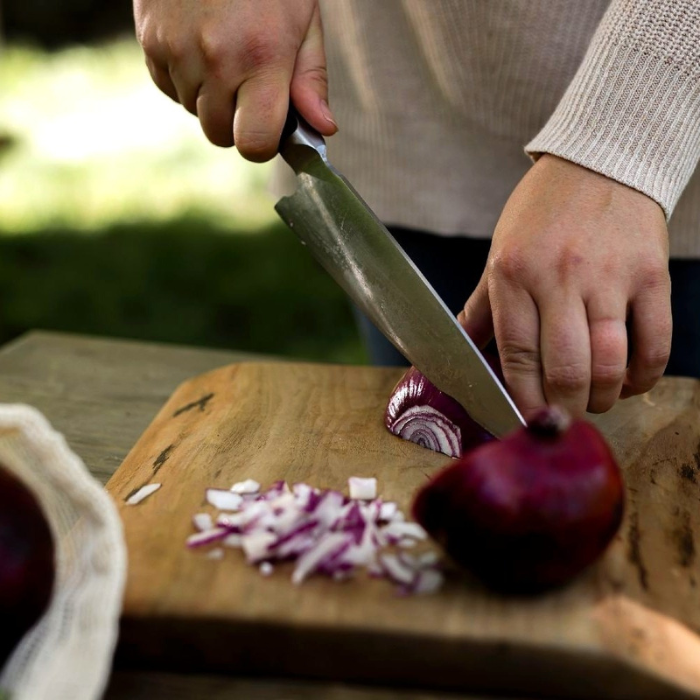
632, 116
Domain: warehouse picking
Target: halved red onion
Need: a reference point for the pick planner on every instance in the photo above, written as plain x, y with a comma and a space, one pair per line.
323, 532
419, 412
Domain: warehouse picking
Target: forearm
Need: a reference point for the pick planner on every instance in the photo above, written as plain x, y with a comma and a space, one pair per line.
632, 112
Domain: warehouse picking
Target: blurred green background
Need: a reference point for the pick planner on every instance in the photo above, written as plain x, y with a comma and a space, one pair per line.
118, 218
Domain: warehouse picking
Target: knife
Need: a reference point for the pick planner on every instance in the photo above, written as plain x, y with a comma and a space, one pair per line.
356, 249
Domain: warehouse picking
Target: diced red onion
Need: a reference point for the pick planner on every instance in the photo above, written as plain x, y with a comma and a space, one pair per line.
323, 532
203, 521
207, 537
143, 493
217, 553
363, 489
224, 500
247, 487
397, 570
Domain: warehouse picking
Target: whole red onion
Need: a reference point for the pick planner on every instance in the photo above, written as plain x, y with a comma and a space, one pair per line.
26, 562
531, 511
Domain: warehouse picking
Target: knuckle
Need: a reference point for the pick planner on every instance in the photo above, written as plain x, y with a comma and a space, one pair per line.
212, 48
257, 52
517, 359
510, 265
566, 379
606, 376
654, 277
317, 75
177, 49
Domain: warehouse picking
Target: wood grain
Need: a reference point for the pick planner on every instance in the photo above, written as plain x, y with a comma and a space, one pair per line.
626, 629
102, 393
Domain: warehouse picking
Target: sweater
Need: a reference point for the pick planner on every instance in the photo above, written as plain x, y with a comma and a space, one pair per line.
443, 104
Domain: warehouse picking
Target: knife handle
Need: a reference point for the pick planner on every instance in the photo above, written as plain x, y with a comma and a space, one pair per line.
297, 137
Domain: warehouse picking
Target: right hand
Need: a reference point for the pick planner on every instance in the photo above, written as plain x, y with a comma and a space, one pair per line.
235, 64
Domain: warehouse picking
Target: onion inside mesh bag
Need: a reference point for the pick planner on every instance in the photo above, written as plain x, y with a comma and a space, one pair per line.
67, 655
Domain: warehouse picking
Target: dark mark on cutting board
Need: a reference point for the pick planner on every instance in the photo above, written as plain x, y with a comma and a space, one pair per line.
688, 472
634, 553
134, 491
652, 477
162, 458
201, 403
684, 540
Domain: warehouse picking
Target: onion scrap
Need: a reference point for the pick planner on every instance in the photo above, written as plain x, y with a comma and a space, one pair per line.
322, 531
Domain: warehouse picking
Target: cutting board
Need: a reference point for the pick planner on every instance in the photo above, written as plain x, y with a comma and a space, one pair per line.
629, 628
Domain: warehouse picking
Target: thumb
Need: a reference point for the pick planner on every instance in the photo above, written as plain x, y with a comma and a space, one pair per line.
476, 317
309, 88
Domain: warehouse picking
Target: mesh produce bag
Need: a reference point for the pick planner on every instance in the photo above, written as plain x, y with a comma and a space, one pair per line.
68, 654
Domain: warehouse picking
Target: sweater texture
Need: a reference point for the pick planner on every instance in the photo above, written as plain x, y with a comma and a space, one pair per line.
443, 104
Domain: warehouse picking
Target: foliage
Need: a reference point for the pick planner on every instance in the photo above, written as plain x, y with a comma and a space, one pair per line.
186, 281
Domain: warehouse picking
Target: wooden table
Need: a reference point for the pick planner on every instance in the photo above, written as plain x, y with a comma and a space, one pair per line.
102, 394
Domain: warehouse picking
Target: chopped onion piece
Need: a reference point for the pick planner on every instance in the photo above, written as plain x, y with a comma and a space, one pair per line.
246, 487
362, 489
396, 569
387, 510
207, 537
398, 530
143, 493
224, 500
323, 532
233, 540
331, 545
428, 581
256, 545
203, 521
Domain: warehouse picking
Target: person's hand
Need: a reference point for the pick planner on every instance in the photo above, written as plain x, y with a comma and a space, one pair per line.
236, 63
574, 256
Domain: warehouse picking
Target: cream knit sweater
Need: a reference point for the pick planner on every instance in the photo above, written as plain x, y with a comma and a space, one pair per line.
438, 102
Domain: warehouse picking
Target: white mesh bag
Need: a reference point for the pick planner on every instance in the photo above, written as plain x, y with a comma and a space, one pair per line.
68, 654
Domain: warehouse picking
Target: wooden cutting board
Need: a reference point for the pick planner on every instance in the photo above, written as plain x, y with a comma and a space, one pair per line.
628, 628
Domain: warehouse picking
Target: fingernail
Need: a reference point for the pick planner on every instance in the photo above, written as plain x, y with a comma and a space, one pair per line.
327, 114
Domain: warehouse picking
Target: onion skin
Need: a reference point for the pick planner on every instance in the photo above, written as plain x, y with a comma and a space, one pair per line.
26, 562
531, 511
452, 426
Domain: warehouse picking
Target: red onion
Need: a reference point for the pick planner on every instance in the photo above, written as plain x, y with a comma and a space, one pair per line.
419, 412
323, 532
26, 562
531, 511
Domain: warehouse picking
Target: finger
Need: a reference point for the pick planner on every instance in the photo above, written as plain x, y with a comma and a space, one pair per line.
516, 326
476, 317
651, 329
161, 77
566, 352
608, 337
215, 109
309, 86
187, 78
262, 103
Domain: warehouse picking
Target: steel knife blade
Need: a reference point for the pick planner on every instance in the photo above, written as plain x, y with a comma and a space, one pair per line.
357, 250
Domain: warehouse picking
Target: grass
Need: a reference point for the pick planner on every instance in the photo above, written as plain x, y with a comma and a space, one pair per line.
186, 281
118, 218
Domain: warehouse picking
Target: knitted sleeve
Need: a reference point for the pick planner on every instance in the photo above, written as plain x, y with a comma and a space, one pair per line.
632, 111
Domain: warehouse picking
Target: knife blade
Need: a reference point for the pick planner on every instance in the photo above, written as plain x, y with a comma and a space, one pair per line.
357, 250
